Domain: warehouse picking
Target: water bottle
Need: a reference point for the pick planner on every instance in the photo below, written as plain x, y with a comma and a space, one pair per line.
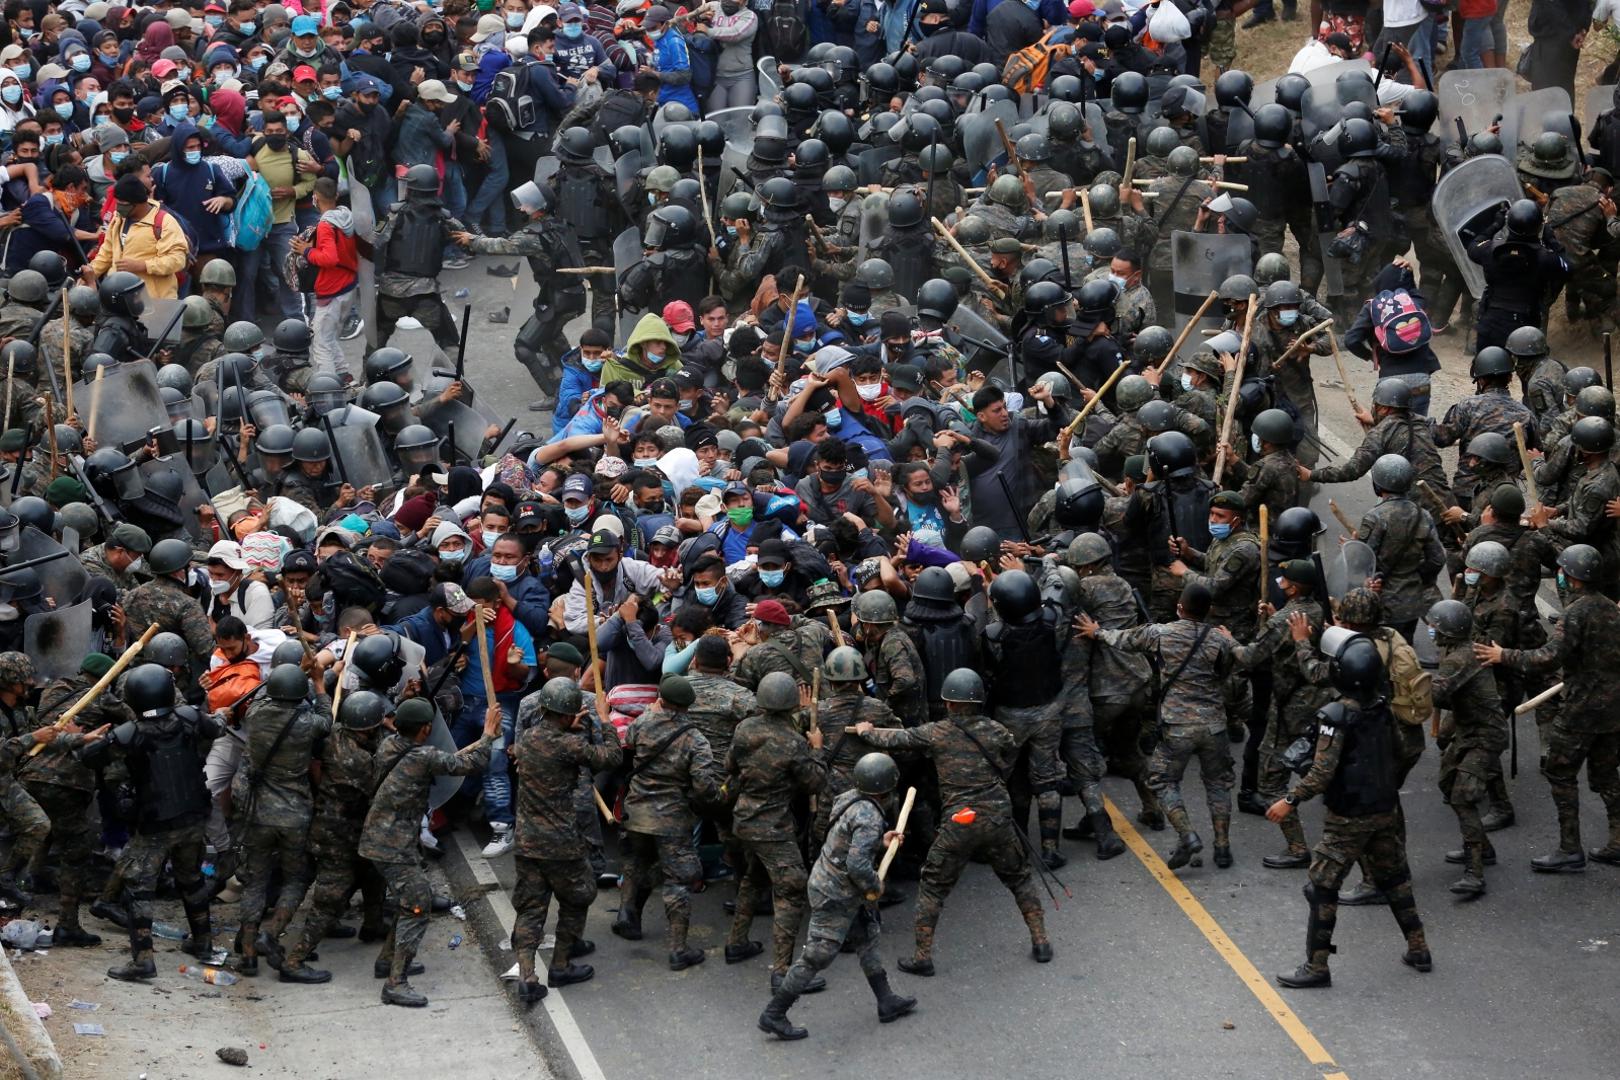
168, 931
213, 975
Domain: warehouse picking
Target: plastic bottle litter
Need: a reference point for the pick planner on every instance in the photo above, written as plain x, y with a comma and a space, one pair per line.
168, 931
455, 942
216, 976
21, 933
459, 912
462, 294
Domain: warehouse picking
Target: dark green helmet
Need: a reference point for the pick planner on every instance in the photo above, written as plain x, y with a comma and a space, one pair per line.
876, 774
242, 337
1491, 446
1133, 392
1451, 618
778, 692
561, 695
963, 685
1275, 427
1393, 393
1490, 558
1088, 548
1595, 401
980, 543
1577, 379
1592, 435
844, 664
290, 651
362, 710
1581, 562
168, 649
287, 682
1392, 474
876, 607
168, 556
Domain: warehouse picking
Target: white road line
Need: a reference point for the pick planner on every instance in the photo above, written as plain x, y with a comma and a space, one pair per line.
556, 1006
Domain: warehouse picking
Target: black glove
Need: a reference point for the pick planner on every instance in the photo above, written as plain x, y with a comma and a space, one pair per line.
1147, 740
1237, 732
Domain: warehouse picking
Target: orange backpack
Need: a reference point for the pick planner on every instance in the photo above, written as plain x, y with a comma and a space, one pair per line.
230, 683
1028, 68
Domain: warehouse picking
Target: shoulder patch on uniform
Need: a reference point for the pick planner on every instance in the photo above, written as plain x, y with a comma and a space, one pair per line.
1328, 730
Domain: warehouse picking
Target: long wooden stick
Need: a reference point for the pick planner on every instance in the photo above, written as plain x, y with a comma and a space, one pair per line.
348, 654
11, 375
1265, 550
1108, 384
50, 434
894, 845
1222, 185
1130, 164
1524, 460
1338, 362
67, 360
95, 399
607, 815
837, 631
597, 671
484, 646
1343, 519
815, 719
984, 275
124, 660
1085, 207
1540, 699
582, 270
1237, 381
1186, 331
1240, 160
782, 354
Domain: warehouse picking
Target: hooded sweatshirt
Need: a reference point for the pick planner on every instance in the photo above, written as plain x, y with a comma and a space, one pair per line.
179, 184
334, 254
634, 366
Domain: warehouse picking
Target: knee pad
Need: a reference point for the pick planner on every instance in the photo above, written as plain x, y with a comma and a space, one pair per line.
1395, 881
1317, 894
819, 953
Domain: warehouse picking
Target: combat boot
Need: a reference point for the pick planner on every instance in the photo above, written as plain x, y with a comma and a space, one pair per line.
1568, 859
891, 1006
1084, 829
1609, 853
1403, 905
921, 962
382, 968
569, 974
142, 965
1223, 841
1050, 821
774, 1020
268, 943
1040, 946
1319, 927
627, 924
1108, 842
402, 993
1152, 813
107, 911
531, 990
1298, 854
69, 934
1459, 857
1499, 818
1364, 895
11, 889
1248, 802
745, 950
815, 986
1186, 847
1471, 884
292, 971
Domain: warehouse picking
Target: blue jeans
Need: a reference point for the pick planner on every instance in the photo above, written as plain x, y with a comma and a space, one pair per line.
497, 781
264, 263
454, 197
1476, 41
486, 202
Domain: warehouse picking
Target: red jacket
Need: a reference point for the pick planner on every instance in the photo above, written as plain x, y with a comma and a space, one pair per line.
337, 258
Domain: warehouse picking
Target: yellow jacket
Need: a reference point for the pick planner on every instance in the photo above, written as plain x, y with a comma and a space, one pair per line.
165, 256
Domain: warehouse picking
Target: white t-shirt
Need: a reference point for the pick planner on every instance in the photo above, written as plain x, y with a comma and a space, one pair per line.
1404, 12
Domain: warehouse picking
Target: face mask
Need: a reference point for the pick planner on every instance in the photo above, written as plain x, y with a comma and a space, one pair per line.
1430, 629
219, 588
118, 156
1254, 441
503, 573
193, 157
453, 557
514, 20
573, 31
834, 418
1471, 577
729, 7
1288, 318
22, 72
214, 20
277, 142
654, 352
869, 391
205, 121
834, 477
645, 463
53, 140
652, 198
1118, 281
432, 39
706, 596
740, 516
1220, 532
772, 579
331, 93
576, 514
1562, 583
247, 27
305, 53
1186, 382
81, 62
654, 507
123, 116
293, 123
180, 112
685, 406
11, 94
654, 35
490, 536
465, 86
857, 318
805, 347
124, 209
592, 366
731, 232
257, 62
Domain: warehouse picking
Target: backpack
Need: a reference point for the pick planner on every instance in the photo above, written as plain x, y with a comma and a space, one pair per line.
161, 217
1412, 691
702, 51
1028, 68
353, 582
230, 683
510, 106
785, 30
253, 217
297, 271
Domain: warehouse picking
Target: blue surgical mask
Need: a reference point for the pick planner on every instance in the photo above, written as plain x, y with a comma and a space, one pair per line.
205, 121
1119, 282
645, 462
293, 121
503, 573
331, 93
11, 94
118, 156
53, 140
706, 596
1430, 629
772, 579
1471, 577
1220, 531
257, 63
807, 346
834, 417
652, 198
81, 61
593, 366
860, 474
514, 20
654, 35
1186, 382
490, 536
216, 21
466, 85
224, 75
577, 514
247, 26
453, 556
1288, 318
22, 72
857, 318
731, 231
573, 31
64, 109
1254, 441
1563, 582
180, 112
193, 157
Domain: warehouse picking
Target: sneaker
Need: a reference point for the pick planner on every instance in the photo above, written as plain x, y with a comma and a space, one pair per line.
500, 842
353, 327
456, 262
427, 840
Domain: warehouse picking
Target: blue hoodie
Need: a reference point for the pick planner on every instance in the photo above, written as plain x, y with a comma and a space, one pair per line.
182, 189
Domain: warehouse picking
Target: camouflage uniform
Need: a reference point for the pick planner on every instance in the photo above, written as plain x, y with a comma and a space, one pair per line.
1397, 433
80, 338
1133, 310
896, 669
1003, 222
1583, 519
766, 765
1494, 410
719, 707
671, 767
1579, 226
551, 852
25, 407
28, 824
1471, 743
972, 755
1543, 383
17, 319
1136, 232
165, 601
1118, 688
1294, 374
1126, 438
844, 875
95, 562
796, 650
846, 706
312, 493
1272, 482
1231, 573
405, 771
1407, 545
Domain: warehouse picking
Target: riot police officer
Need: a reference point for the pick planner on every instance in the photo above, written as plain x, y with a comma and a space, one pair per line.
409, 253
119, 332
1524, 271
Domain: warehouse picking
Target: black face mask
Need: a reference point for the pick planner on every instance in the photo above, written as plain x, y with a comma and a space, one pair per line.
654, 507
432, 39
276, 142
123, 116
834, 477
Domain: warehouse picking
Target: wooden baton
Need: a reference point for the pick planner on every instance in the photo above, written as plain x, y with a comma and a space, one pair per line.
124, 660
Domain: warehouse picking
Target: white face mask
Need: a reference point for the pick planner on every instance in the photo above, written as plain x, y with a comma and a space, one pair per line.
219, 588
1186, 382
1254, 441
836, 203
869, 391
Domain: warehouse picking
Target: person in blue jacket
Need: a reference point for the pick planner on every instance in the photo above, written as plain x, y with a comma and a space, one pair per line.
521, 592
44, 227
671, 61
193, 187
437, 627
582, 369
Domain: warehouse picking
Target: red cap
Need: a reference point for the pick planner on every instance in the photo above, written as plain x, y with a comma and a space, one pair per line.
771, 612
678, 316
303, 73
1079, 9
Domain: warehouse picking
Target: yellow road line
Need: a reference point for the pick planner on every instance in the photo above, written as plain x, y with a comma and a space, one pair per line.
1258, 985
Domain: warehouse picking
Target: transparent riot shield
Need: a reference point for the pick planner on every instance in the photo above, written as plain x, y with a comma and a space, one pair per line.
192, 496
869, 163
359, 457
365, 226
1599, 100
1199, 262
984, 347
1465, 202
627, 252
1349, 568
157, 317
1527, 116
1477, 98
770, 83
62, 578
57, 641
443, 788
546, 168
627, 175
874, 221
130, 404
981, 142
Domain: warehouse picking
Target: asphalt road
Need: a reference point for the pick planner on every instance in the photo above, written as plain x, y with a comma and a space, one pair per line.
1524, 978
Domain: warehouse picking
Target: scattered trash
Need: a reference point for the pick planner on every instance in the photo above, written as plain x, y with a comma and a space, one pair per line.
501, 317
510, 973
169, 931
459, 912
232, 1055
455, 942
462, 294
42, 1009
1227, 1025
89, 1029
1593, 945
408, 322
87, 1006
21, 933
501, 271
214, 975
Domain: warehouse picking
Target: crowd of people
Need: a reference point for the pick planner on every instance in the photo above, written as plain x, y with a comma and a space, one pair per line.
895, 444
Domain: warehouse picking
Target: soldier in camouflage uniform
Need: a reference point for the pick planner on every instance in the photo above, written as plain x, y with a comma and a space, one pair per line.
1181, 193
1126, 436
1293, 698
1585, 643
1203, 387
1136, 229
115, 559
83, 307
794, 645
1272, 481
342, 799
671, 767
165, 601
718, 707
1406, 543
405, 768
1557, 472
25, 820
842, 889
891, 658
935, 165
27, 294
1005, 207
64, 788
1284, 318
1580, 214
1491, 408
766, 765
972, 755
24, 405
1393, 430
551, 852
1354, 772
1194, 659
1583, 517
1541, 378
1472, 737
1034, 164
274, 804
843, 680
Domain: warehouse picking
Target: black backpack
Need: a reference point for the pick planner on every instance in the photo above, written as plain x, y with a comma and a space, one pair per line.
785, 30
353, 582
510, 106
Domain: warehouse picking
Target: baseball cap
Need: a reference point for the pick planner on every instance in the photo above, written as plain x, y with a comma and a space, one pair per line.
365, 84
772, 613
905, 377
611, 468
1079, 9
578, 484
303, 73
433, 90
488, 27
304, 25
467, 61
609, 523
687, 379
527, 512
667, 534
678, 316
656, 16
772, 553
570, 12
449, 595
298, 561
602, 542
228, 552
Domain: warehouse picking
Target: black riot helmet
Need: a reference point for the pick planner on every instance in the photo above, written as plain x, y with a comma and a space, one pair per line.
921, 131
1295, 531
575, 145
1014, 595
1273, 124
812, 154
292, 336
1290, 91
1233, 88
1172, 454
1130, 93
1079, 504
378, 657
1357, 138
834, 129
120, 293
1491, 362
1357, 670
1524, 220
883, 80
149, 691
905, 210
385, 364
669, 227
1419, 110
677, 146
937, 299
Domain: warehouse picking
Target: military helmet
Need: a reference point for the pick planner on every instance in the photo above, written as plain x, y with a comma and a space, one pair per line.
1577, 379
963, 685
1551, 148
1393, 393
1033, 147
875, 774
50, 265
935, 584
166, 648
1014, 595
1129, 93
218, 273
291, 336
1284, 293
1481, 143
1161, 140
833, 128
1592, 435
561, 695
1491, 446
168, 556
311, 444
1079, 505
661, 178
290, 651
1595, 401
740, 204
1357, 138
242, 337
1172, 454
1104, 199
669, 227
576, 145
677, 146
1273, 124
362, 710
1581, 562
1061, 225
1358, 669
1392, 474
1056, 382
1362, 606
1524, 220
973, 231
844, 664
1133, 392
875, 274
777, 692
919, 132
83, 303
1237, 287
20, 356
836, 178
1274, 426
27, 287
937, 299
1271, 268
378, 657
1152, 345
149, 690
197, 313
1233, 88
1489, 362
1008, 191
119, 293
1527, 342
1297, 528
1490, 558
1419, 110
1063, 120
287, 682
1182, 160
422, 180
876, 607
277, 439
1451, 618
1044, 296
905, 210
1290, 90
980, 544
1102, 244
1088, 548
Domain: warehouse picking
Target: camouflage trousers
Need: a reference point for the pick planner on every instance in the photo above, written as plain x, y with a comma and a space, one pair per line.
142, 864
338, 871
1567, 751
671, 861
1223, 44
778, 866
414, 896
1036, 770
27, 823
834, 921
574, 885
1590, 290
1465, 772
1086, 765
1286, 726
267, 850
956, 845
1119, 730
1210, 745
71, 836
1375, 841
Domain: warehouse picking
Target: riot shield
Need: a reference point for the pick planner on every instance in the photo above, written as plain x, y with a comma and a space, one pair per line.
1199, 262
1465, 202
443, 788
1321, 106
157, 316
627, 252
58, 641
869, 163
1476, 97
984, 348
981, 142
627, 175
1526, 116
466, 422
1265, 93
193, 495
1349, 568
545, 169
359, 457
770, 84
130, 404
874, 221
62, 579
1599, 100
365, 225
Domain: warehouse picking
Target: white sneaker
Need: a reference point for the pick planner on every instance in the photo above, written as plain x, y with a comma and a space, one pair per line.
407, 322
501, 842
427, 839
